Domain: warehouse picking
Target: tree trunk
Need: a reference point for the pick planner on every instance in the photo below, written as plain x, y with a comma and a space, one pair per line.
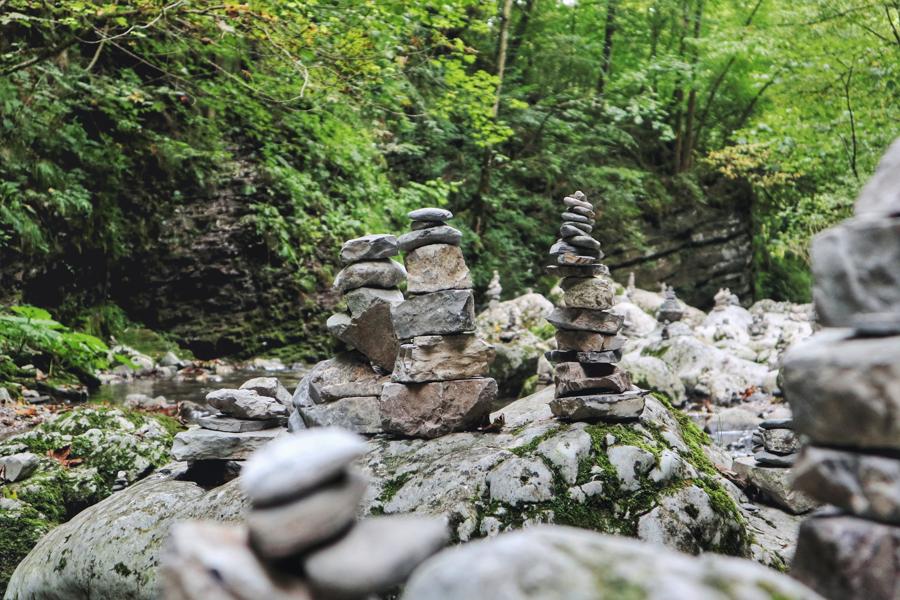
687, 145
608, 32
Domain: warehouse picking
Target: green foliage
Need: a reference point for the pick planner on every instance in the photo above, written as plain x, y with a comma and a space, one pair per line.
30, 335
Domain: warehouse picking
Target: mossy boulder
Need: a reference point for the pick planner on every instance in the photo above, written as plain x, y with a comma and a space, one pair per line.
82, 453
652, 478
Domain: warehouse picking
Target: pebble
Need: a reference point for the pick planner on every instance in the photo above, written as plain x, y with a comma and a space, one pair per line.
569, 216
369, 247
585, 212
567, 231
268, 386
384, 273
378, 554
246, 404
297, 463
586, 228
17, 467
584, 241
324, 513
430, 214
433, 235
575, 202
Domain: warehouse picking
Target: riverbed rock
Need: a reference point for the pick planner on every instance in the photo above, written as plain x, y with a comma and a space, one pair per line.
360, 414
383, 551
556, 563
438, 313
383, 274
347, 368
521, 480
268, 386
214, 561
443, 234
369, 247
246, 404
436, 267
846, 557
845, 391
651, 373
299, 524
773, 485
433, 409
581, 319
361, 299
594, 407
222, 422
206, 444
866, 485
16, 467
442, 358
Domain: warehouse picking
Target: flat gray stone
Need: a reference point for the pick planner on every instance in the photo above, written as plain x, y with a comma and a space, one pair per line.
614, 383
584, 227
599, 407
577, 270
845, 391
436, 267
584, 319
330, 393
773, 485
780, 441
430, 410
213, 561
585, 212
590, 292
321, 515
417, 225
777, 424
432, 235
206, 444
856, 269
437, 313
246, 404
380, 552
575, 202
295, 464
587, 341
881, 195
369, 247
442, 358
584, 241
360, 414
268, 386
847, 557
371, 333
345, 368
430, 214
603, 357
384, 274
567, 231
576, 218
865, 485
17, 467
233, 425
770, 459
361, 299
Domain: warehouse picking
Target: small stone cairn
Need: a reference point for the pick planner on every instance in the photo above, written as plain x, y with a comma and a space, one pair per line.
301, 539
248, 418
369, 284
494, 289
843, 385
670, 311
724, 298
589, 386
438, 385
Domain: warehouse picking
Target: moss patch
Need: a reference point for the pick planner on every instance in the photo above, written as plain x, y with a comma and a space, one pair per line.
21, 527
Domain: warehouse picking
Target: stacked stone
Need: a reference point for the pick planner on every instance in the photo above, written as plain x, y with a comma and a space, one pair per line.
301, 539
843, 385
369, 284
670, 311
439, 383
494, 289
248, 418
589, 386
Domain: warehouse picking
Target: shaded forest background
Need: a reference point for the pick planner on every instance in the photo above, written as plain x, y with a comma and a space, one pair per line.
194, 166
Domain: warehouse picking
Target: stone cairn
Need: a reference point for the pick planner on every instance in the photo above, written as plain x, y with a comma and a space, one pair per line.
494, 289
843, 385
670, 311
589, 386
369, 285
248, 418
300, 539
438, 385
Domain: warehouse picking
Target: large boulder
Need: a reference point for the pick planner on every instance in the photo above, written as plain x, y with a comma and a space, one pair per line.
556, 563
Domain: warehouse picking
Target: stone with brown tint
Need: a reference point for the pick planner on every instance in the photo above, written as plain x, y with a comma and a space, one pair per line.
585, 319
372, 333
436, 267
588, 292
430, 410
587, 341
442, 358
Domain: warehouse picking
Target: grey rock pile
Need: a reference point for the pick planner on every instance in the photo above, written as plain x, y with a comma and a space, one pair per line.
589, 386
670, 311
248, 418
494, 290
844, 389
369, 283
301, 539
439, 382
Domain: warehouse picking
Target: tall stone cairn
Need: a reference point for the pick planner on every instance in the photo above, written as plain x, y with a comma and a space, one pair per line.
369, 284
843, 385
494, 289
438, 385
589, 386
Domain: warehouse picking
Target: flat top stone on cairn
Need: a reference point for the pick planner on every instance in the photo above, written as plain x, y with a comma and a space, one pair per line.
588, 384
369, 247
430, 214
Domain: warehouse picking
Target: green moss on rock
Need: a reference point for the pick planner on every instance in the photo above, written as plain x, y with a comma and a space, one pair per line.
21, 526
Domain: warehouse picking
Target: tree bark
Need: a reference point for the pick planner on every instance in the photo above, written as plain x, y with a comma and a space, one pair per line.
687, 146
608, 33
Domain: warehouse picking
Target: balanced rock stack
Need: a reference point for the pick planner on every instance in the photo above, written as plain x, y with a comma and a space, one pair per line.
248, 418
843, 385
494, 289
767, 473
369, 284
438, 385
301, 539
589, 386
670, 311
